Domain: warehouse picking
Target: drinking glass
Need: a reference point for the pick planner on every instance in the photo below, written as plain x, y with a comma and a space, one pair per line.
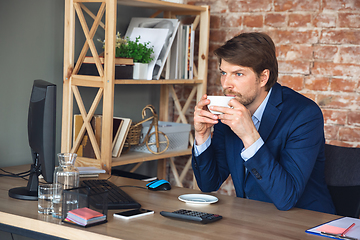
45, 196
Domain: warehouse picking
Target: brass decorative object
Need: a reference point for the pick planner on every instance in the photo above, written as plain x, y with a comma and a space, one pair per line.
134, 134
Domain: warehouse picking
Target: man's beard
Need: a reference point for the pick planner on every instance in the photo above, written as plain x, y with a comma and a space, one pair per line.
240, 98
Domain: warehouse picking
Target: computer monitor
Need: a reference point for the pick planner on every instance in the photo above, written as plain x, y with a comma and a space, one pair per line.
41, 135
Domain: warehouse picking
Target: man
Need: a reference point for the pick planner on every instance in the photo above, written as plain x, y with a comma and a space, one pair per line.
271, 140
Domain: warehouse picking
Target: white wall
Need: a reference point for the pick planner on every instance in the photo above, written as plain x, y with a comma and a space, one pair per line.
31, 47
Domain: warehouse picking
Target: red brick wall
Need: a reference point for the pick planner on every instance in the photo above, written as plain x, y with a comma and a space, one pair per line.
318, 49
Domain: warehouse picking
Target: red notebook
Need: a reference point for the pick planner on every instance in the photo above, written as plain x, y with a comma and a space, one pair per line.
86, 213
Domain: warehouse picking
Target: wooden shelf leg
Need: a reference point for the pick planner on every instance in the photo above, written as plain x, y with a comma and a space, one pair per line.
161, 168
108, 81
175, 173
69, 43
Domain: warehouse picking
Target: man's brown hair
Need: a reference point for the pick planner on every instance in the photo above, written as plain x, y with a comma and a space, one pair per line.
255, 50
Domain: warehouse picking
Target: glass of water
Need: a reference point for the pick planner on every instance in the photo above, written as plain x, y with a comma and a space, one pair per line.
45, 196
57, 200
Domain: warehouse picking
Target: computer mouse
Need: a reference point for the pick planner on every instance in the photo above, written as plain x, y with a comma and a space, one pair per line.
159, 185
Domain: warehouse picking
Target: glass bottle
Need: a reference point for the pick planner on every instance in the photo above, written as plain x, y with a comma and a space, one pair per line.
67, 175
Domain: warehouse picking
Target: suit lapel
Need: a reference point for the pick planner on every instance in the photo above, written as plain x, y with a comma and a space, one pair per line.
271, 112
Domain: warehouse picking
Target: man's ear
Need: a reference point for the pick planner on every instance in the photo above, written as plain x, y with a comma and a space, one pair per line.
264, 77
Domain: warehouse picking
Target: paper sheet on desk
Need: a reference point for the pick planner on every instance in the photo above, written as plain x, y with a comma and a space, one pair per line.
337, 226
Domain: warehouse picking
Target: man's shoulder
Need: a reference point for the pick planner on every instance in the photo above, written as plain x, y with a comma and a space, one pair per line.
293, 102
290, 96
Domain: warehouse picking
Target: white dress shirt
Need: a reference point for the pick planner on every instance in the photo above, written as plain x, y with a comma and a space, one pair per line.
250, 151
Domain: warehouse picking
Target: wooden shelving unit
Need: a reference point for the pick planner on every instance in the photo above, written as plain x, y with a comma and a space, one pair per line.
106, 81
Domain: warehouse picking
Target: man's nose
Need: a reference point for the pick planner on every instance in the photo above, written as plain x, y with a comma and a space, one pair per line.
226, 81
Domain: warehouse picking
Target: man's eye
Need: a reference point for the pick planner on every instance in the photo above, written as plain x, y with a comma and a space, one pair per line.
222, 73
238, 74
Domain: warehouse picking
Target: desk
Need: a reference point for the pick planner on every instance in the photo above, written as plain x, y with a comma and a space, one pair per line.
242, 218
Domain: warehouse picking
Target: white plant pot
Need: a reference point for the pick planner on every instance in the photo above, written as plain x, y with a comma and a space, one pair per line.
140, 70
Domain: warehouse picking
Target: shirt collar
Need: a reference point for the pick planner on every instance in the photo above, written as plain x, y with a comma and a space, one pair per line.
260, 110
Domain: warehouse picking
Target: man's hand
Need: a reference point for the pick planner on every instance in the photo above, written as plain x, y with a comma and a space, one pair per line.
238, 118
203, 120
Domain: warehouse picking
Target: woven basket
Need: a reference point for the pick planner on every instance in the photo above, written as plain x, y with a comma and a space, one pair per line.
133, 137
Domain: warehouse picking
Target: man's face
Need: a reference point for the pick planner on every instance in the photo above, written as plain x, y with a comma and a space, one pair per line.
242, 83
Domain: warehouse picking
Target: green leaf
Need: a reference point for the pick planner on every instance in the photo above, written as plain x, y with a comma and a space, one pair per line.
139, 52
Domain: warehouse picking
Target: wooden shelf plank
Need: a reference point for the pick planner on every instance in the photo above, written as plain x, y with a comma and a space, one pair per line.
162, 5
131, 157
155, 4
135, 157
164, 81
87, 81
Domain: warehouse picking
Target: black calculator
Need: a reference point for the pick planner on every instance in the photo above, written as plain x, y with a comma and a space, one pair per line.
190, 215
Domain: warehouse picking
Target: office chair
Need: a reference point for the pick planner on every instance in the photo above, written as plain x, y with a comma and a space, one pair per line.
342, 176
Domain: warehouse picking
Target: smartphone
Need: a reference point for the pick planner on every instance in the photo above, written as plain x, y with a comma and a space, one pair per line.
134, 213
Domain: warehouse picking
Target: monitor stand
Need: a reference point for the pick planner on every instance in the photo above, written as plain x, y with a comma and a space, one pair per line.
29, 192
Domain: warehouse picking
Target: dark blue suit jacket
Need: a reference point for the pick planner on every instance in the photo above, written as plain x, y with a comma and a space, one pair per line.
288, 170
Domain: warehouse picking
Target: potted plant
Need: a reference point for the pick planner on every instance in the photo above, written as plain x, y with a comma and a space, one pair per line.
141, 53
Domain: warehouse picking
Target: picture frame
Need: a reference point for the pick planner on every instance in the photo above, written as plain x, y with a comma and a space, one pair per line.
155, 23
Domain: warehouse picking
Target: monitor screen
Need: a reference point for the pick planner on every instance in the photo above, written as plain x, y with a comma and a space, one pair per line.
41, 135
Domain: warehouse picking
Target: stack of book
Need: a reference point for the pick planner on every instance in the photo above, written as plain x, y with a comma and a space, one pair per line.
84, 216
182, 53
121, 127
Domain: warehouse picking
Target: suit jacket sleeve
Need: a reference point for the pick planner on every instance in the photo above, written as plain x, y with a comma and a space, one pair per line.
210, 167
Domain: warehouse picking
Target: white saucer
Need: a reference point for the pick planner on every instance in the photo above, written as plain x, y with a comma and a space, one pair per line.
198, 198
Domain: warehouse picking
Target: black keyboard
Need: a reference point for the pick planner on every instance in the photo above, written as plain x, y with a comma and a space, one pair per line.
190, 215
117, 198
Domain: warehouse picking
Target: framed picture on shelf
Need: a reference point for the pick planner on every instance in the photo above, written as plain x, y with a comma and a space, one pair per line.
171, 25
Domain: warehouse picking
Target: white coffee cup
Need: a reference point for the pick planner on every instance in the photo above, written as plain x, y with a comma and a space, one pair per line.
222, 101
